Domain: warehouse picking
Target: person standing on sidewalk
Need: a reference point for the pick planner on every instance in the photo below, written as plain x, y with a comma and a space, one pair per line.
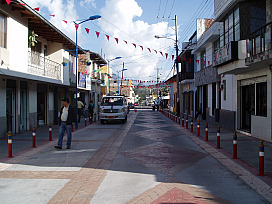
80, 107
91, 108
67, 117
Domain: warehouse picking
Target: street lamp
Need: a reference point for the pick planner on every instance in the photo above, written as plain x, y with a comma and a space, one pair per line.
176, 61
89, 19
109, 70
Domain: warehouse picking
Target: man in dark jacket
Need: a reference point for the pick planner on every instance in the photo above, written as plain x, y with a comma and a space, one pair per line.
67, 117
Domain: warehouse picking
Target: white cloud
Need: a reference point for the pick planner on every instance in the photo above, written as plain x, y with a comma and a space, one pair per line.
87, 2
118, 20
63, 10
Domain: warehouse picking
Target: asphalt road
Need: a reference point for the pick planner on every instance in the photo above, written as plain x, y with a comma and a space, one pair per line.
150, 159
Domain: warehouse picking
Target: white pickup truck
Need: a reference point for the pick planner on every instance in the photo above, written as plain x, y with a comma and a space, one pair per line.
113, 108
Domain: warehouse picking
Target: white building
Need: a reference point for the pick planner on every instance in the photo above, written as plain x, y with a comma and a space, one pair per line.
34, 76
206, 79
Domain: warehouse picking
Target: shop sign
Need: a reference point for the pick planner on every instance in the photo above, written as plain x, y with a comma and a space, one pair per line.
225, 54
88, 82
82, 80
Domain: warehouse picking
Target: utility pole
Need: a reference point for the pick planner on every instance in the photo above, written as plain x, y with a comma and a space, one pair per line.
176, 29
158, 69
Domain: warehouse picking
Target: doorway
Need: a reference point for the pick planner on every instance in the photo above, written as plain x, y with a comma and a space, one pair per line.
205, 101
41, 104
10, 109
247, 106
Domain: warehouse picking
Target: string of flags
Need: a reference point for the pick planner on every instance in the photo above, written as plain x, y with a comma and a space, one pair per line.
98, 34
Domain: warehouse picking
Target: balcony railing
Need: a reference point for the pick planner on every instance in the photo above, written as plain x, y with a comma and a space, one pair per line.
40, 65
260, 40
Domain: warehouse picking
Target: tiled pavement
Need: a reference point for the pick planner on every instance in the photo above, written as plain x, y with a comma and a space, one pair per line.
138, 142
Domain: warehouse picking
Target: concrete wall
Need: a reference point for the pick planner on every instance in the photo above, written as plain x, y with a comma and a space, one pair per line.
32, 104
231, 93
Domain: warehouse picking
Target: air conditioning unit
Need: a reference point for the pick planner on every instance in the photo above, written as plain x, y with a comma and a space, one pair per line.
4, 58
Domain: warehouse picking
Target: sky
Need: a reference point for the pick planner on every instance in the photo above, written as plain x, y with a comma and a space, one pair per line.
133, 21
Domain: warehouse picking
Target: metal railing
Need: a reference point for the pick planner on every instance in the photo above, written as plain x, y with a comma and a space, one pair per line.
260, 40
40, 65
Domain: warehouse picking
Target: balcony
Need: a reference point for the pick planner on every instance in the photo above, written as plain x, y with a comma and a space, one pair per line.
259, 48
187, 75
41, 66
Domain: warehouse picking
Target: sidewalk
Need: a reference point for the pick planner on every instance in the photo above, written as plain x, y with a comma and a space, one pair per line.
247, 147
23, 141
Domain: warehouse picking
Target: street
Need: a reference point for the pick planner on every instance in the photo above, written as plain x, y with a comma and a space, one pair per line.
150, 159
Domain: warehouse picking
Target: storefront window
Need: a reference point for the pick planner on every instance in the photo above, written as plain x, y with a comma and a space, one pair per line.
261, 99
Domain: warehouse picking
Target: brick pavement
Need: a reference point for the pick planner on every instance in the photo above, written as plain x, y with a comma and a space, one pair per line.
262, 185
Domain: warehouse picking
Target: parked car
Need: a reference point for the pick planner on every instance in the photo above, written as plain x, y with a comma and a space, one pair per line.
113, 108
136, 104
131, 105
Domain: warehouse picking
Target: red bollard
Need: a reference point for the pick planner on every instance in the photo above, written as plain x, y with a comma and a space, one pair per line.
85, 122
9, 144
234, 145
91, 120
72, 127
187, 122
33, 137
182, 121
192, 125
50, 131
261, 159
218, 137
198, 128
206, 131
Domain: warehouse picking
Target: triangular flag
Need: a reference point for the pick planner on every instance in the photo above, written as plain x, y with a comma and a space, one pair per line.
125, 41
97, 34
37, 9
166, 55
209, 63
184, 59
190, 60
87, 30
149, 50
76, 25
142, 47
116, 40
134, 44
22, 4
197, 61
65, 21
8, 1
108, 37
53, 15
173, 57
178, 58
161, 53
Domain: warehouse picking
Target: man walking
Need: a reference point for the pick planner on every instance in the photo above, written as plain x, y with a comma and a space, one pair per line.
80, 106
67, 117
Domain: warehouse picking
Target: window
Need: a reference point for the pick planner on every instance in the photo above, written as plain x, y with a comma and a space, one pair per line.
261, 99
236, 25
71, 63
203, 59
3, 31
225, 89
231, 30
